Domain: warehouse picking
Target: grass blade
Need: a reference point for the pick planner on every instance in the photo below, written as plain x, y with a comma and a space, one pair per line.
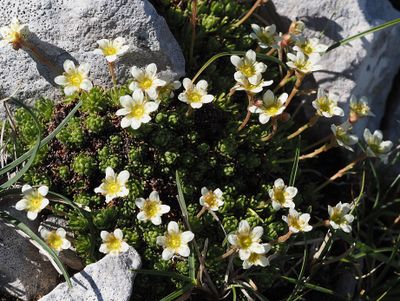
164, 274
24, 228
364, 33
295, 165
181, 201
177, 293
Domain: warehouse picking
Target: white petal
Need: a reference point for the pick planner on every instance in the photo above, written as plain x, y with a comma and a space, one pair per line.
110, 172
43, 190
184, 251
21, 205
123, 176
84, 68
160, 240
32, 215
257, 232
173, 227
103, 249
151, 69
187, 236
61, 232
68, 66
235, 60
69, 90
263, 118
202, 85
150, 106
104, 235
244, 254
232, 239
244, 226
207, 98
141, 216
118, 234
126, 122
167, 254
165, 209
26, 188
156, 220
196, 105
135, 124
61, 80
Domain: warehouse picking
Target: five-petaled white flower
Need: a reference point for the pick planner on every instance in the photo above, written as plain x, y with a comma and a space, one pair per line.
195, 95
55, 239
111, 49
34, 200
248, 66
146, 79
304, 64
247, 240
376, 146
174, 241
339, 216
342, 135
282, 195
309, 46
167, 91
113, 243
151, 209
136, 110
211, 200
113, 185
327, 104
74, 78
13, 33
256, 259
266, 36
297, 222
359, 108
270, 106
253, 85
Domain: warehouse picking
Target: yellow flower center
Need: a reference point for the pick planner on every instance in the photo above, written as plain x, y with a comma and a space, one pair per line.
307, 49
146, 83
211, 200
35, 202
294, 222
360, 109
325, 104
151, 208
173, 240
253, 257
194, 96
245, 241
112, 186
75, 78
279, 195
272, 109
113, 243
336, 216
137, 111
54, 241
110, 50
247, 70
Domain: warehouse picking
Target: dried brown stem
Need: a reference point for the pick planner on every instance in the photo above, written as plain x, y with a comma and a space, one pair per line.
284, 80
248, 114
313, 120
111, 68
250, 12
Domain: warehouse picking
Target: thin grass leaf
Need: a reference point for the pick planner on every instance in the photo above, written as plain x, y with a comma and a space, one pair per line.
164, 274
34, 150
46, 140
24, 228
192, 268
247, 287
229, 53
311, 286
364, 33
295, 165
177, 293
181, 200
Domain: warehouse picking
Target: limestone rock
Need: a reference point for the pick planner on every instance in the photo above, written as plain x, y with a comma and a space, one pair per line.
365, 66
69, 29
111, 278
24, 273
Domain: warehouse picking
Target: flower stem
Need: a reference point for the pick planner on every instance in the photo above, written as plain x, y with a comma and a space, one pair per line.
248, 114
300, 77
324, 148
201, 212
342, 171
111, 68
24, 44
193, 20
318, 142
313, 120
274, 129
271, 52
249, 13
284, 80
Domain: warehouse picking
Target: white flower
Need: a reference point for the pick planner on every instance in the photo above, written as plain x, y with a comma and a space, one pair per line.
304, 64
151, 209
13, 33
113, 186
74, 78
112, 49
342, 135
297, 222
247, 240
266, 37
175, 241
167, 91
34, 200
136, 110
113, 242
248, 66
377, 147
327, 105
146, 79
282, 195
252, 85
257, 259
211, 199
55, 239
195, 94
339, 216
359, 108
270, 106
309, 46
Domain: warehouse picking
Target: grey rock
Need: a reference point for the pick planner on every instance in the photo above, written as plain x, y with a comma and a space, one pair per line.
366, 66
24, 273
68, 257
69, 29
111, 278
